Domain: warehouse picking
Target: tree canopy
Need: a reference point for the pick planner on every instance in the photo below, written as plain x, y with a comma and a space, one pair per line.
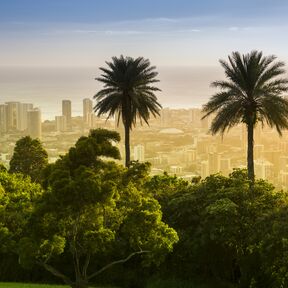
89, 213
228, 233
29, 158
17, 198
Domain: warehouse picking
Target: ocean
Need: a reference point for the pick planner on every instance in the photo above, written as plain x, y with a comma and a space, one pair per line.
46, 87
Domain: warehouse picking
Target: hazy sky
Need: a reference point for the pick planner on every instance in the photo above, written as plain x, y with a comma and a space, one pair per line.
168, 32
171, 33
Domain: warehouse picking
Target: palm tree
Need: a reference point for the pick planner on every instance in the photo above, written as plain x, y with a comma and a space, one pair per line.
128, 93
251, 94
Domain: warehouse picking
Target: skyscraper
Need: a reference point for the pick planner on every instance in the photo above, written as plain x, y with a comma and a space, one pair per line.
214, 162
60, 123
3, 118
22, 115
12, 115
139, 153
34, 123
87, 110
66, 111
17, 115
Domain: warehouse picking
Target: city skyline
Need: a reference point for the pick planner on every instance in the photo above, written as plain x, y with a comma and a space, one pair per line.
177, 142
52, 50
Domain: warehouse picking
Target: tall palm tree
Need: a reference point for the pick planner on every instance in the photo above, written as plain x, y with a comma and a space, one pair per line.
251, 94
128, 93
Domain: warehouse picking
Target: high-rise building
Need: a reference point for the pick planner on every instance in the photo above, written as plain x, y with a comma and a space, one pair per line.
139, 153
87, 110
22, 115
12, 115
3, 118
204, 169
60, 123
66, 111
34, 123
195, 117
190, 155
213, 162
263, 169
16, 115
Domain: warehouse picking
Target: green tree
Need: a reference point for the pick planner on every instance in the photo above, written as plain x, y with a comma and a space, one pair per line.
90, 150
229, 234
17, 195
93, 210
251, 94
164, 187
128, 93
273, 248
29, 158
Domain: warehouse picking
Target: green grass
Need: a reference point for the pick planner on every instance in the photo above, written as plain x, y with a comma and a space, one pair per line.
157, 283
28, 285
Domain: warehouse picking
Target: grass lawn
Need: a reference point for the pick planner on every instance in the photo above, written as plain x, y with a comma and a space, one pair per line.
28, 285
154, 284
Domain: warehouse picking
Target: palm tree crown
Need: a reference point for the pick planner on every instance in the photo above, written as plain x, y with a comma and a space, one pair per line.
251, 94
128, 93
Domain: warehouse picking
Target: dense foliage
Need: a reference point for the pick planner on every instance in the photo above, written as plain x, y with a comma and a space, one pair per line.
17, 199
228, 233
92, 214
29, 158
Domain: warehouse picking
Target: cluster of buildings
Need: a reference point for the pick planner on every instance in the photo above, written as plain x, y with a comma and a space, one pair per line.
16, 116
178, 141
23, 117
63, 123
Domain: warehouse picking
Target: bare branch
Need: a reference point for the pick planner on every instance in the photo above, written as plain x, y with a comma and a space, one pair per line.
115, 263
56, 273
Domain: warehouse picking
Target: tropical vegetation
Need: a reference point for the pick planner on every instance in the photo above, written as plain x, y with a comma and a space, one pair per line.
251, 94
90, 210
128, 93
94, 221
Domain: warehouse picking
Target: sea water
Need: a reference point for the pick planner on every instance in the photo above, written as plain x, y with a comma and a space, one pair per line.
46, 87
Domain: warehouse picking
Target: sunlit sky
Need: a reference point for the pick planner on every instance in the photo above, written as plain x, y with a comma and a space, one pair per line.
52, 49
168, 32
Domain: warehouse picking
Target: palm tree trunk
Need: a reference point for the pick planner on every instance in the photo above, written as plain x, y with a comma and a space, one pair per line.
250, 150
127, 145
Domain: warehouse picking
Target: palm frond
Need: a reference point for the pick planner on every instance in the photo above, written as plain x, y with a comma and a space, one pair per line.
128, 90
253, 87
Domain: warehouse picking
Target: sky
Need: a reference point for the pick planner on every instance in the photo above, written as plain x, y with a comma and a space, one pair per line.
184, 39
168, 32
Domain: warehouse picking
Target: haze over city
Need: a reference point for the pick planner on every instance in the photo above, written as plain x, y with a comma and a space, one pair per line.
183, 39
